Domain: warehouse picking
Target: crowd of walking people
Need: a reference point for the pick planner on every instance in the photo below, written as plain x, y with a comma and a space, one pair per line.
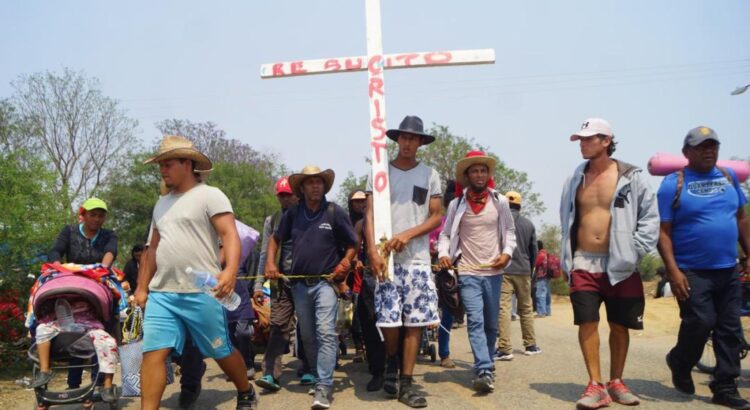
466, 250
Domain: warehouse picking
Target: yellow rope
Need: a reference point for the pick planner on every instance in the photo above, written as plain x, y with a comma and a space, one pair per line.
459, 268
285, 277
385, 255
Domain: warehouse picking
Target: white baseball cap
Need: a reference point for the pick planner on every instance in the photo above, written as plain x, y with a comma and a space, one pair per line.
591, 127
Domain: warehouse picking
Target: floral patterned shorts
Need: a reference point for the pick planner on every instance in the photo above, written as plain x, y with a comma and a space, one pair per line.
409, 300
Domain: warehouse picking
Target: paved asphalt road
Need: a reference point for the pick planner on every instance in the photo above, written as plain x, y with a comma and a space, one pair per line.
552, 380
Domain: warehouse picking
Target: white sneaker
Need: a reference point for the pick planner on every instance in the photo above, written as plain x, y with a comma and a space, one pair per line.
321, 398
503, 357
532, 350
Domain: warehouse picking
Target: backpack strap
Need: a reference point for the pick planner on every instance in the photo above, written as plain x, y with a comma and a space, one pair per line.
331, 210
727, 175
678, 189
275, 220
681, 182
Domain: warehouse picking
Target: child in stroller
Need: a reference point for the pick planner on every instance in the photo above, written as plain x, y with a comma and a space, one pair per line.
85, 322
72, 312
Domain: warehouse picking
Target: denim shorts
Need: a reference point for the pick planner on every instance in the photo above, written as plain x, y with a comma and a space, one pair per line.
171, 316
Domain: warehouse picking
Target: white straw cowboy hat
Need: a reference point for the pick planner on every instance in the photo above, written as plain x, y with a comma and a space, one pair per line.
174, 146
473, 158
296, 180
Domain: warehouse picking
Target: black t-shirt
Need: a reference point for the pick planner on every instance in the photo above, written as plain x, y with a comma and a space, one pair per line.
316, 237
131, 274
79, 249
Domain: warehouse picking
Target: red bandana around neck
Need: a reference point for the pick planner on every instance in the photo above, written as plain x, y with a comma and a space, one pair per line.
477, 201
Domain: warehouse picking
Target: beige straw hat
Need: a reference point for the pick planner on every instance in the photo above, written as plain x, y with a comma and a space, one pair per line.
296, 180
174, 146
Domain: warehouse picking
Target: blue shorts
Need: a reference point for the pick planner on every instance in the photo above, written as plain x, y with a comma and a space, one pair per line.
170, 316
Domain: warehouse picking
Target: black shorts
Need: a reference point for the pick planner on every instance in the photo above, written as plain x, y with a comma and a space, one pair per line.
624, 302
282, 308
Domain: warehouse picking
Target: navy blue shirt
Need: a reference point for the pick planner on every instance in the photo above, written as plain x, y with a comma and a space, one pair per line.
317, 237
704, 225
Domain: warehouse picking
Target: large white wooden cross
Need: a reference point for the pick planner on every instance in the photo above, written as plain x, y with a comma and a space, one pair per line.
375, 62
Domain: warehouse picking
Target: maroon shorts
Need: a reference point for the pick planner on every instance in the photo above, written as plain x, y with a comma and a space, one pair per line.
624, 301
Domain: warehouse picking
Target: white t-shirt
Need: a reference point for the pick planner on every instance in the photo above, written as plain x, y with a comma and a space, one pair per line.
186, 237
411, 191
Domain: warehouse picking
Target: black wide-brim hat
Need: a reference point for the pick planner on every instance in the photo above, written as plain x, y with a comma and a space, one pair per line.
411, 124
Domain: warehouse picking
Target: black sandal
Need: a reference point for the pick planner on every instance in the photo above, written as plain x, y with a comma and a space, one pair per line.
410, 396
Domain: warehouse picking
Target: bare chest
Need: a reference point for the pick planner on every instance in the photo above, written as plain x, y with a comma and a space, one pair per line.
597, 191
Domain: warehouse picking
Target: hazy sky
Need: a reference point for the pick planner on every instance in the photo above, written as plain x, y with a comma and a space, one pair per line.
654, 69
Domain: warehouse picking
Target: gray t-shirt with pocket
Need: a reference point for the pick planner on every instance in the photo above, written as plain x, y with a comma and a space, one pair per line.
186, 237
411, 191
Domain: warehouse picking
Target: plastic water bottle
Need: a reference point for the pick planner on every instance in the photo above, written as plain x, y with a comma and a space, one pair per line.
206, 282
64, 315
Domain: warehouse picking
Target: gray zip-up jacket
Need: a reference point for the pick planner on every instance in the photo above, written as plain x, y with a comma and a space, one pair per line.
633, 230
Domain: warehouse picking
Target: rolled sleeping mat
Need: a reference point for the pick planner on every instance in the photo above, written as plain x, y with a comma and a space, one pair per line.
664, 164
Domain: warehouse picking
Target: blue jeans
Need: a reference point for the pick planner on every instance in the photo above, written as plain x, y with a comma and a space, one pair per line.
75, 375
316, 308
444, 336
481, 297
542, 297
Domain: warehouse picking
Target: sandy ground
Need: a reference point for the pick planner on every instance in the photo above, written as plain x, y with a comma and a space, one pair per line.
552, 380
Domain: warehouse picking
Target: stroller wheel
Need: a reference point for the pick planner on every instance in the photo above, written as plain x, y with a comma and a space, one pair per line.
433, 353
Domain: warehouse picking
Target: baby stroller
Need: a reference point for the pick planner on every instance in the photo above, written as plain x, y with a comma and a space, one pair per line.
56, 283
427, 343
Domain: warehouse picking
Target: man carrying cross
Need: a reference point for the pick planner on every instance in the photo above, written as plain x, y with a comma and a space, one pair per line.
410, 299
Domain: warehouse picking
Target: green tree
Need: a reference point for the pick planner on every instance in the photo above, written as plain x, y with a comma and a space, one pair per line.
213, 141
82, 134
131, 193
10, 133
448, 149
350, 184
648, 265
550, 235
31, 217
249, 189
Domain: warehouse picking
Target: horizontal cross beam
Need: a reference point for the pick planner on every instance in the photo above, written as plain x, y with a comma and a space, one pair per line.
389, 61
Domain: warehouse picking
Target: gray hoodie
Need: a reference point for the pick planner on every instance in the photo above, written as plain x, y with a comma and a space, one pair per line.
634, 229
524, 255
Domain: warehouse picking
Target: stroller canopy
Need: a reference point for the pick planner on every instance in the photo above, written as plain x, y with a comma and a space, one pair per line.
67, 284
